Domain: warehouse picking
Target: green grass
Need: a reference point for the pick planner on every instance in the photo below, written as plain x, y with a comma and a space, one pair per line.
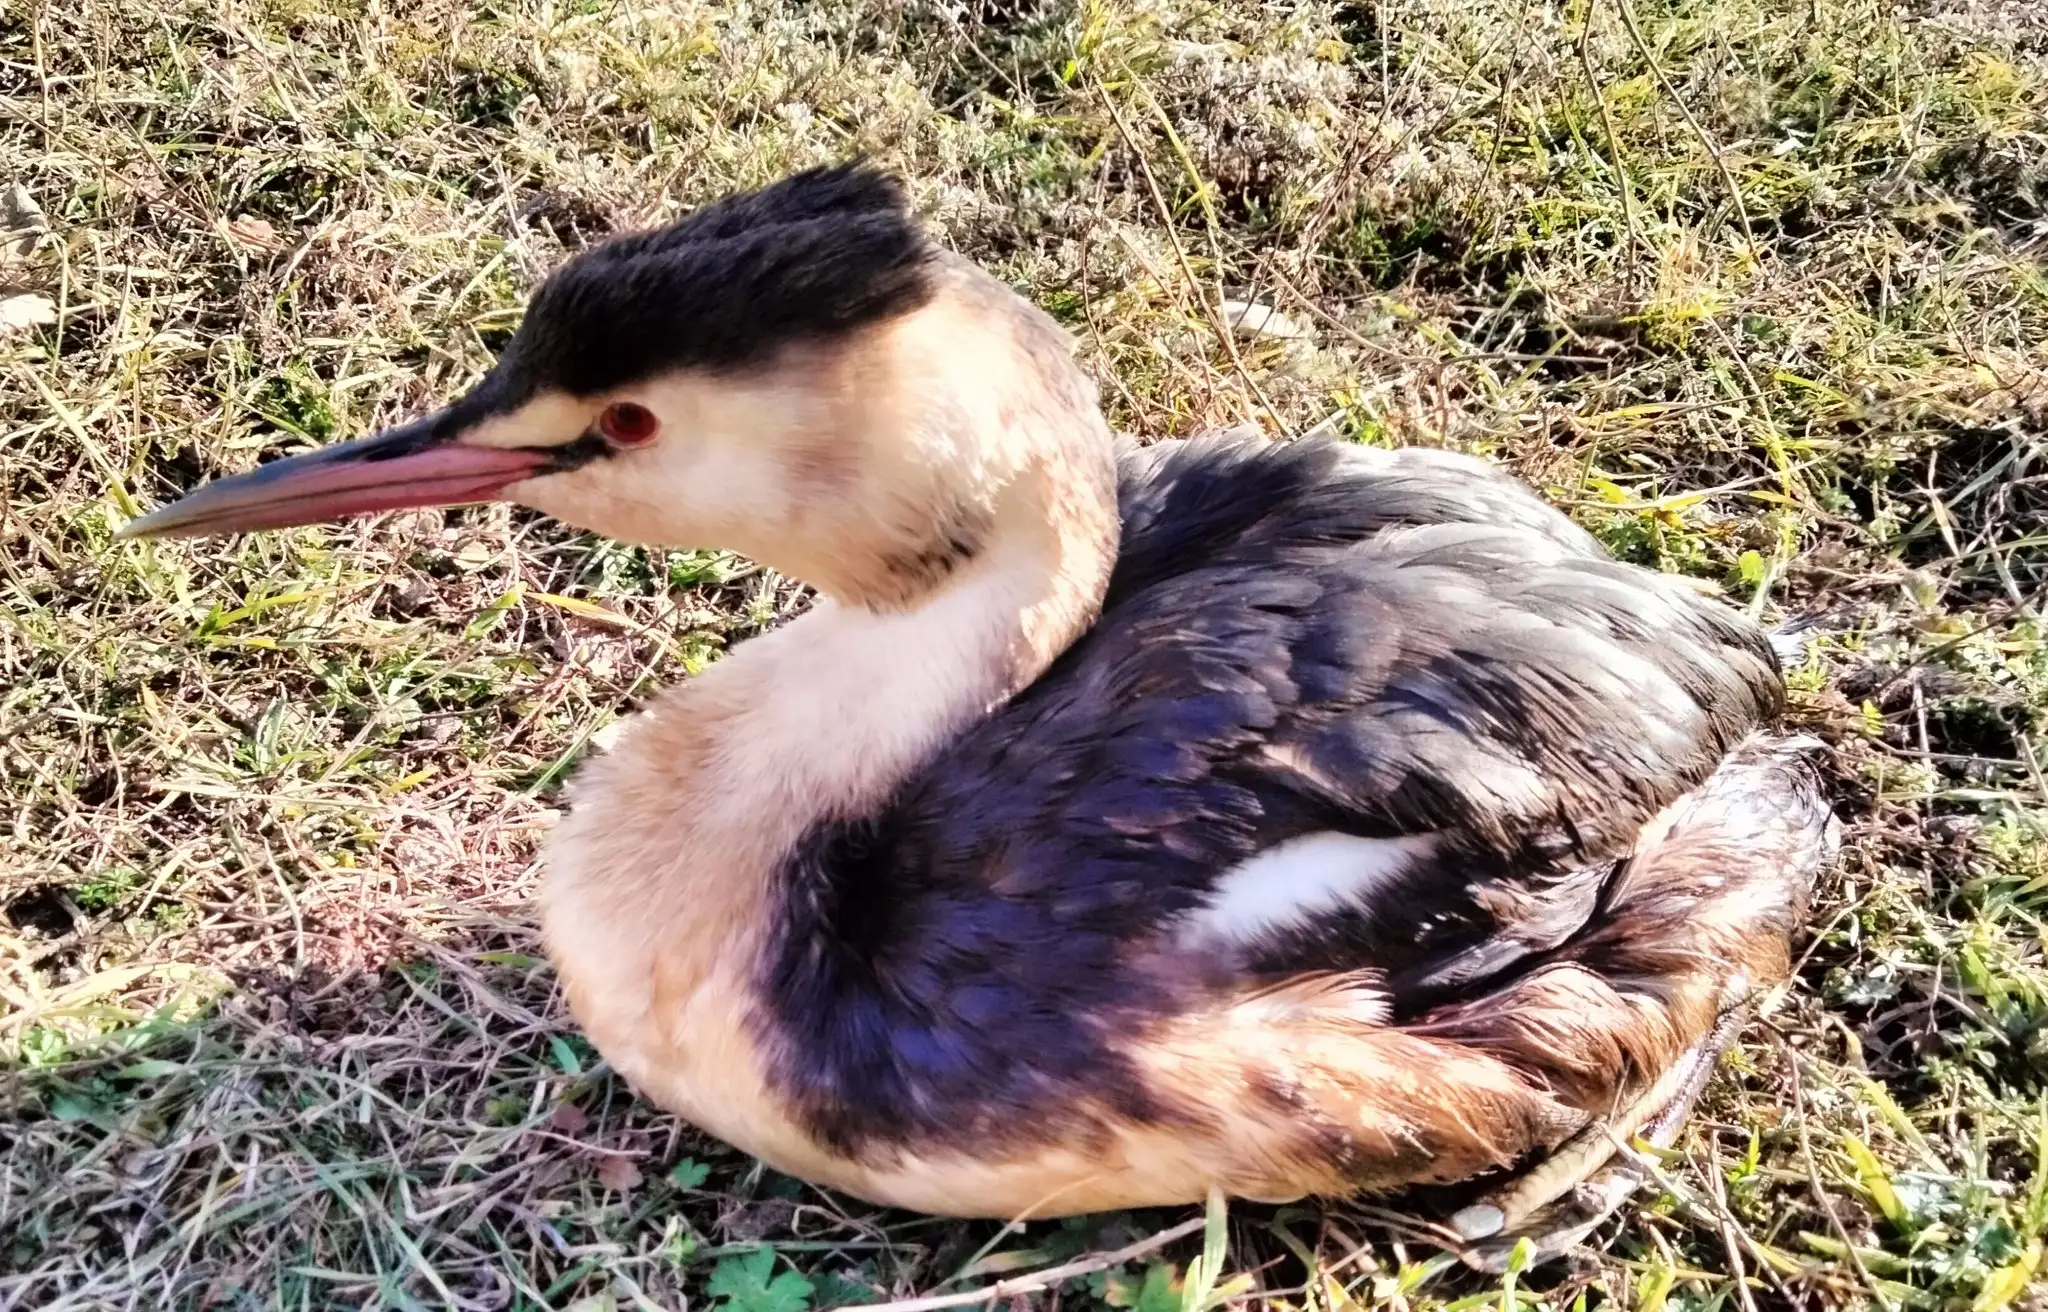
1756, 289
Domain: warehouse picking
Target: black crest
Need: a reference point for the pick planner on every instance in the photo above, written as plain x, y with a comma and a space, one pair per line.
815, 255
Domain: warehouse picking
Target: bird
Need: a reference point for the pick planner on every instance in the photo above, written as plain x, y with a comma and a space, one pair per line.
1123, 823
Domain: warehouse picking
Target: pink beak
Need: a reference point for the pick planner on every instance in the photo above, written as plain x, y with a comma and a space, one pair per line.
411, 465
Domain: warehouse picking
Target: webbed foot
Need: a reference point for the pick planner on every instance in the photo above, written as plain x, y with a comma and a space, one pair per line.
1556, 1202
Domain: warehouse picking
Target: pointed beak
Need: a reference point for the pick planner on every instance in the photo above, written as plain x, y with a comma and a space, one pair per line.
416, 464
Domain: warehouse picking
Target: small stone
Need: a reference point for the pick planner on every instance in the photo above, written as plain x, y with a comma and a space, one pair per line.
25, 310
1251, 319
1479, 1221
22, 222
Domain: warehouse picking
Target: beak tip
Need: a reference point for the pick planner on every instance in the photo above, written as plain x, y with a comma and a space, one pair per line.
399, 469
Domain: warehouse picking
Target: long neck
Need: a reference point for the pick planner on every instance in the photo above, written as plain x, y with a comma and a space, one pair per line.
987, 558
827, 715
662, 876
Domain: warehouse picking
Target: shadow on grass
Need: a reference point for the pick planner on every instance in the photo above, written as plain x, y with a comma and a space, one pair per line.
435, 1134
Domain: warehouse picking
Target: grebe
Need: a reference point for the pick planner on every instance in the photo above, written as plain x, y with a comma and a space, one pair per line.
1285, 819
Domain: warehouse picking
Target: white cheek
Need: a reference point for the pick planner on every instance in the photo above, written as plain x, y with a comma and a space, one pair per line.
549, 419
605, 497
679, 491
1291, 884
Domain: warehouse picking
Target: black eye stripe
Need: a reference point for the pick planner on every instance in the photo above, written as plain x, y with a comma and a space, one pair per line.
578, 453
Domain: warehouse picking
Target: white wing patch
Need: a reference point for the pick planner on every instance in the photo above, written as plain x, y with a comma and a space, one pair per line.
1291, 883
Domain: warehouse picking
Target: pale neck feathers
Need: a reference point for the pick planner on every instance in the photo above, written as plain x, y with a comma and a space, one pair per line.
965, 540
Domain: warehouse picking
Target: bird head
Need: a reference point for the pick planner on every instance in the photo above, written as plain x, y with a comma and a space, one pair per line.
794, 373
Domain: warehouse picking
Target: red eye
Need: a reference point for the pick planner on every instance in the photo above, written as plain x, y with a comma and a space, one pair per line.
625, 423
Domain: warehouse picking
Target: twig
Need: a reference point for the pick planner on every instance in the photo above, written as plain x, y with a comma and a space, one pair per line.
1108, 369
1813, 1182
1628, 17
1215, 230
1047, 1278
1628, 204
2033, 762
43, 82
1180, 254
1724, 1221
2005, 612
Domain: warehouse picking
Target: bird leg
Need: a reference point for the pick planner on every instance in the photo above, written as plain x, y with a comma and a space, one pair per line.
1556, 1202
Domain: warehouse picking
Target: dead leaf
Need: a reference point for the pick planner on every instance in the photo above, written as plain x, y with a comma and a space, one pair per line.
618, 1173
569, 1119
258, 234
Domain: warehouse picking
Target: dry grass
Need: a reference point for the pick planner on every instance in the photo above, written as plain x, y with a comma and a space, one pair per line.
1756, 287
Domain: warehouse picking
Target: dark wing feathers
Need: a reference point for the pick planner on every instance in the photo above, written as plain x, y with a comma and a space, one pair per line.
1541, 705
1296, 639
1183, 501
1472, 660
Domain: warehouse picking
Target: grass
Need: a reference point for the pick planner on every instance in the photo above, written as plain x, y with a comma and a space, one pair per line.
1755, 288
